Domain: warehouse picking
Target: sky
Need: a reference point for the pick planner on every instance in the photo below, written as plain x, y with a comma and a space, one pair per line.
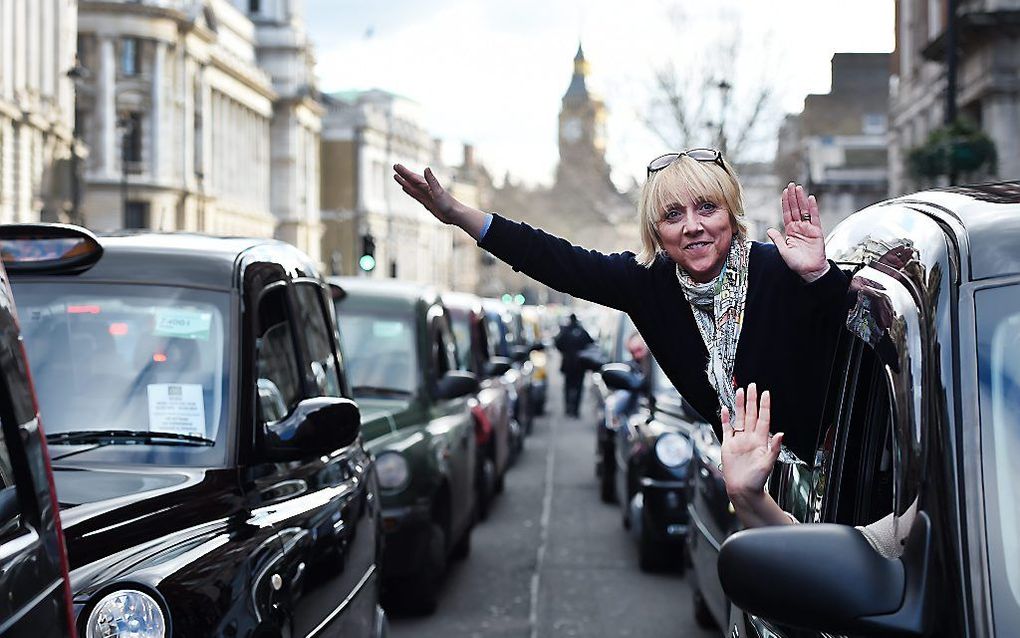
492, 73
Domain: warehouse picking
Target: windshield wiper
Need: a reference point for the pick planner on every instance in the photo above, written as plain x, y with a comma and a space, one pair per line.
114, 436
374, 389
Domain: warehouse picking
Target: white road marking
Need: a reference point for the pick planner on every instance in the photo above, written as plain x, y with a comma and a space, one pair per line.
543, 536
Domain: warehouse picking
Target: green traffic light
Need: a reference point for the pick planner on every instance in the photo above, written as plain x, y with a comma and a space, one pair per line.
519, 299
507, 297
367, 263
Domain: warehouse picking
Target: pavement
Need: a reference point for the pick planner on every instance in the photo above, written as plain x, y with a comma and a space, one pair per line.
552, 560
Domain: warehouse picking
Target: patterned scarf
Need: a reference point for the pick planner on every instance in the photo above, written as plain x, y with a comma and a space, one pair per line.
718, 308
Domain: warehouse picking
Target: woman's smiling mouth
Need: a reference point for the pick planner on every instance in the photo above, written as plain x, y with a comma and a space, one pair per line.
694, 245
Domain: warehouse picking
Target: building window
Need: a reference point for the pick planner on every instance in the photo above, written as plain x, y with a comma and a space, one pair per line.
874, 124
254, 6
130, 56
136, 214
131, 142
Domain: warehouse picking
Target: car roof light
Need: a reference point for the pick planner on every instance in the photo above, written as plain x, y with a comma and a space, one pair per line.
48, 248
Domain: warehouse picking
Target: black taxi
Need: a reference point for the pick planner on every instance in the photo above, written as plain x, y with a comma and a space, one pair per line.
207, 458
911, 498
35, 591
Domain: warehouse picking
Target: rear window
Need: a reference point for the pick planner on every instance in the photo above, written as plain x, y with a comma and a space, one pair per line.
379, 352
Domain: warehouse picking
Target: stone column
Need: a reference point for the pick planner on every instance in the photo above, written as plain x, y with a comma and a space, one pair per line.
106, 107
1002, 123
158, 79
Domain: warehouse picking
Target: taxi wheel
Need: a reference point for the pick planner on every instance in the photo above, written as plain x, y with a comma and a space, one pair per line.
702, 615
486, 487
462, 549
607, 487
418, 594
653, 556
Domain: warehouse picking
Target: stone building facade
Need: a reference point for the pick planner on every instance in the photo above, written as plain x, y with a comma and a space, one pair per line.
837, 146
988, 80
364, 133
284, 51
37, 148
176, 113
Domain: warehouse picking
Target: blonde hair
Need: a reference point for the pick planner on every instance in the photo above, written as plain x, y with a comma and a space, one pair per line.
684, 180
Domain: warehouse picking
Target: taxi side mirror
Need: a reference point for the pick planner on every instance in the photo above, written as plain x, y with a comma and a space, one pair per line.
829, 578
520, 354
619, 376
455, 384
316, 426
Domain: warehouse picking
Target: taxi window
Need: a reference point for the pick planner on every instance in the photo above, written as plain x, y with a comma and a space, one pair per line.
279, 385
316, 334
998, 331
379, 351
460, 324
129, 358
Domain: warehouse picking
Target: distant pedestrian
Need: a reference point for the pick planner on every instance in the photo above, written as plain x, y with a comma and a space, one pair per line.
570, 341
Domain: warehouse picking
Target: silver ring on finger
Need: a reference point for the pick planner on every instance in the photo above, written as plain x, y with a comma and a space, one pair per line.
736, 429
805, 217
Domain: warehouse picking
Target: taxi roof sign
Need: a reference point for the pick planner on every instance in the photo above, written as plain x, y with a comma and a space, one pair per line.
48, 248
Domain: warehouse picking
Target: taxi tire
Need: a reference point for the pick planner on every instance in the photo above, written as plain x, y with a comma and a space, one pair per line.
702, 614
653, 556
462, 549
418, 594
486, 487
607, 476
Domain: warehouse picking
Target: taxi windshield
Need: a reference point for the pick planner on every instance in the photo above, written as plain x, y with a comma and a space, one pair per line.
145, 364
998, 323
379, 352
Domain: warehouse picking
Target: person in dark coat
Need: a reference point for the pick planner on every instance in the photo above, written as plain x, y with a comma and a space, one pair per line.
570, 341
717, 310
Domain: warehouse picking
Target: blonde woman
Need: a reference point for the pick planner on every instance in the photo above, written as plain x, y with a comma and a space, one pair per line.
718, 311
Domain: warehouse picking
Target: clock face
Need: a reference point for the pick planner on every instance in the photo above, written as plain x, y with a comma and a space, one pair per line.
572, 129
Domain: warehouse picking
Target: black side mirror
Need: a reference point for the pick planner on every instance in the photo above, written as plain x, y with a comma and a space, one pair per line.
520, 354
498, 366
316, 426
619, 376
538, 346
828, 578
456, 384
336, 293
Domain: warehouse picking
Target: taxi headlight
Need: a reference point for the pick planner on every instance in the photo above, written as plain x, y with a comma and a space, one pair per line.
673, 450
392, 470
126, 613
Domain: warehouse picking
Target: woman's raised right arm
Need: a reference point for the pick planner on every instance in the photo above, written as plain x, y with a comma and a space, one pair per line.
604, 279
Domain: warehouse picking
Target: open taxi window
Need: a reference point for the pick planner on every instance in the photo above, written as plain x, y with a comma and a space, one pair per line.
998, 332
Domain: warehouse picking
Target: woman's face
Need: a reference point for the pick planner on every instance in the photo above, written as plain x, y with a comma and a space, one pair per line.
697, 235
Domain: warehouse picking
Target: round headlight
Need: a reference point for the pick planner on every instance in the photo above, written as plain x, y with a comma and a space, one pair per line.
126, 613
673, 450
392, 470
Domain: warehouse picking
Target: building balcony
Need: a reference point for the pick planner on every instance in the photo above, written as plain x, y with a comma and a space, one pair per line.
975, 27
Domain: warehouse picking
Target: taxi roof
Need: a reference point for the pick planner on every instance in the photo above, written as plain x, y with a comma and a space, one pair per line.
990, 213
187, 259
393, 293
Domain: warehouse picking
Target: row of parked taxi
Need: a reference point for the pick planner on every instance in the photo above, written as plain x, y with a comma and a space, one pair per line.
234, 445
908, 505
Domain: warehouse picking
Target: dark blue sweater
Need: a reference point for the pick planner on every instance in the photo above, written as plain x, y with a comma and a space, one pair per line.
786, 342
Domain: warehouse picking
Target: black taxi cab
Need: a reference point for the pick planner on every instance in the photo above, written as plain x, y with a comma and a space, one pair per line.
35, 590
912, 491
207, 458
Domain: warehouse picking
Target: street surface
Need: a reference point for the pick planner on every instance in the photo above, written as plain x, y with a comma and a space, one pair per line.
552, 560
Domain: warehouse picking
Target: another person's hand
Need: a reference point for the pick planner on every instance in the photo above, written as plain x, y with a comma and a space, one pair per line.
427, 190
803, 246
748, 452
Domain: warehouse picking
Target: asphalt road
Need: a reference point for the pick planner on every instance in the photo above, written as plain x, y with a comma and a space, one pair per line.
552, 560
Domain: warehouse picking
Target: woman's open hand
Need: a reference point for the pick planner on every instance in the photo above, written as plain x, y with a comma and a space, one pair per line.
803, 247
748, 453
427, 190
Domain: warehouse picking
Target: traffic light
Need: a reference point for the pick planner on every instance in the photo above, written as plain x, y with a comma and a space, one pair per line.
367, 260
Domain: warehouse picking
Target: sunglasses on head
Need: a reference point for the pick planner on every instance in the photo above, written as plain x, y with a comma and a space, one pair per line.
697, 154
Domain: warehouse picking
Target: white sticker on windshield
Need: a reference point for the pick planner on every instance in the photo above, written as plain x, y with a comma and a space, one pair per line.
183, 324
176, 407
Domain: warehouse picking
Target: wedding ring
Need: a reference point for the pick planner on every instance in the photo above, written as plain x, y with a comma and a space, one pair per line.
805, 217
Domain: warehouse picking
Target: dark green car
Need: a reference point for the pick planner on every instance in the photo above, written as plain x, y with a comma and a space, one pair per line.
418, 424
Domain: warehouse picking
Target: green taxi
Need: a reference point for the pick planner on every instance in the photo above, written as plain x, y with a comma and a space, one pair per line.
417, 421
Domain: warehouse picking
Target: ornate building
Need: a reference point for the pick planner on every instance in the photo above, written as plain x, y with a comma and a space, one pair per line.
285, 52
583, 205
364, 134
37, 148
176, 113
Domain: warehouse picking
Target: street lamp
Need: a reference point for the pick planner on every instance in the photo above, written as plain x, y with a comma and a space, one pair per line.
77, 74
124, 128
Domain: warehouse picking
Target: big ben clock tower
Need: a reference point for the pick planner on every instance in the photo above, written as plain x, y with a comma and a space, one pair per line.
582, 130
